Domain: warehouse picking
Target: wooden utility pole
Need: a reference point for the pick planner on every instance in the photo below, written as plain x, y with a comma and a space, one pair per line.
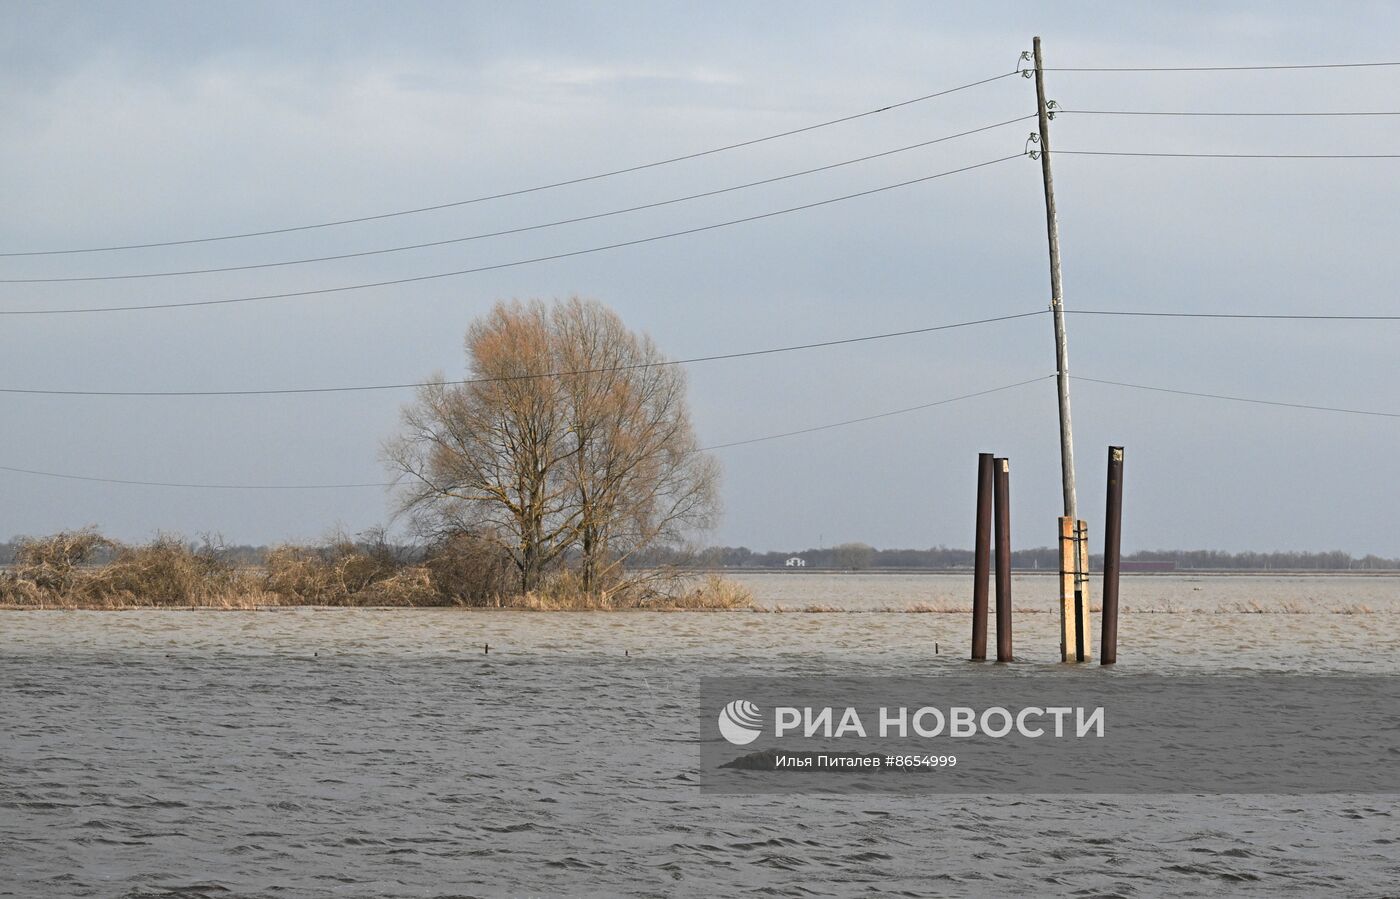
1074, 621
1057, 305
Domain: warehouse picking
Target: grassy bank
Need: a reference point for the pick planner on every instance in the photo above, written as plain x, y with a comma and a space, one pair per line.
85, 570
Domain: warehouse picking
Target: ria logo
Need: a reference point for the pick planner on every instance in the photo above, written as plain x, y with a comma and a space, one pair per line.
740, 722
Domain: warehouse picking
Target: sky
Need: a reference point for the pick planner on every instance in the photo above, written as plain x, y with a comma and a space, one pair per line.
144, 123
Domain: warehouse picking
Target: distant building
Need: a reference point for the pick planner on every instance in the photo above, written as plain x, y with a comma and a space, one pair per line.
796, 562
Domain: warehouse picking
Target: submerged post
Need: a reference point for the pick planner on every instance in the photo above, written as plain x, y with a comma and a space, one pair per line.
1075, 629
982, 555
1112, 545
1069, 615
1082, 635
1002, 496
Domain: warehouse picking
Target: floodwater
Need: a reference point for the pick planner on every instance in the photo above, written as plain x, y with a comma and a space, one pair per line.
330, 752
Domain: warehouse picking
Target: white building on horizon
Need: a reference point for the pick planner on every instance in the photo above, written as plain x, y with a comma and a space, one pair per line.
796, 562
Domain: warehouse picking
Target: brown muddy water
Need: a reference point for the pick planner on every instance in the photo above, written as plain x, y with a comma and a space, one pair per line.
330, 752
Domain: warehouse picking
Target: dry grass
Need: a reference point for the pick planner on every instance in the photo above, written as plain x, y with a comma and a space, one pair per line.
1166, 608
1294, 607
563, 593
84, 570
1284, 607
59, 572
343, 573
937, 608
467, 570
48, 568
1256, 607
56, 573
712, 594
167, 573
915, 608
252, 600
53, 572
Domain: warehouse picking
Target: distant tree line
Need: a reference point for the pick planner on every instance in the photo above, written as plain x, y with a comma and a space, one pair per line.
862, 557
237, 555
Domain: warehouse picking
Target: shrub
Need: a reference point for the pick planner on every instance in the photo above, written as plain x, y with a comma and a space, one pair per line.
563, 591
51, 564
57, 570
713, 593
469, 570
166, 571
344, 572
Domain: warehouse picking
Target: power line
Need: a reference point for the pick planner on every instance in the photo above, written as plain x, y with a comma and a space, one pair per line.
1147, 112
556, 374
851, 421
124, 481
520, 191
1332, 65
1233, 155
694, 359
385, 484
1239, 315
502, 265
520, 230
893, 412
1241, 399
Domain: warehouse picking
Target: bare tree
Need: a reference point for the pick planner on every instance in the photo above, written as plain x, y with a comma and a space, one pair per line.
853, 556
637, 475
487, 457
579, 447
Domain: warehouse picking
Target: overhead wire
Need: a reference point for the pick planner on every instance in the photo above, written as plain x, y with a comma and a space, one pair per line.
906, 410
1057, 152
404, 385
1239, 399
524, 377
1282, 316
888, 414
142, 307
1224, 114
519, 230
719, 446
1260, 68
386, 484
520, 191
193, 486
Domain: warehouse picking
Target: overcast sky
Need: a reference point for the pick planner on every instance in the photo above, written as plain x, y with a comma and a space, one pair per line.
139, 123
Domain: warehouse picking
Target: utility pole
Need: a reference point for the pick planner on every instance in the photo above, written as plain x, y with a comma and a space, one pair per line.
1057, 304
1074, 575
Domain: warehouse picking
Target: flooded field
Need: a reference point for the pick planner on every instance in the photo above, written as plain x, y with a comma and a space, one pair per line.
312, 752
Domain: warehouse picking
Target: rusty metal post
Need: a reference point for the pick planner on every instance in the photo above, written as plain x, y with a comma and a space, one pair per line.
1112, 546
982, 555
1002, 497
